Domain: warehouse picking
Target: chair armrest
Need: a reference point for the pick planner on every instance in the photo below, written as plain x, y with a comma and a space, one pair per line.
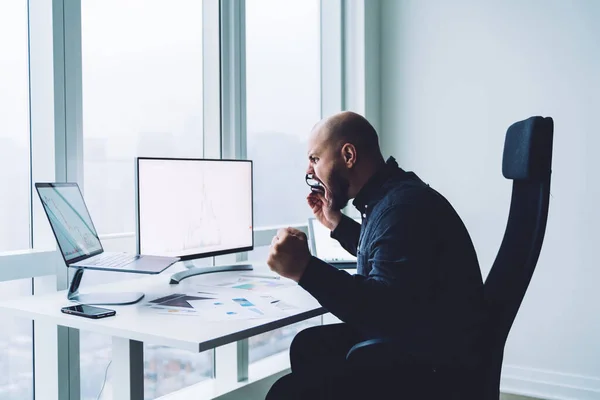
375, 353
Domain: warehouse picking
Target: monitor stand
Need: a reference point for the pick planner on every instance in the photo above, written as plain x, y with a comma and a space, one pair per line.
116, 299
193, 270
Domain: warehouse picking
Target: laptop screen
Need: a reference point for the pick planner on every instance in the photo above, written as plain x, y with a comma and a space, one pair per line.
70, 220
324, 247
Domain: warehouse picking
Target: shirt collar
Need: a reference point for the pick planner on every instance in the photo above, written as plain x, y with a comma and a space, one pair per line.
371, 192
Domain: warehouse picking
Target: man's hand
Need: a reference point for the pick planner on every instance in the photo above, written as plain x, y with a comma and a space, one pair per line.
321, 207
289, 254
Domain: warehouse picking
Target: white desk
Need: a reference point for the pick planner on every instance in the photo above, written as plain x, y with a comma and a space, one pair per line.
135, 324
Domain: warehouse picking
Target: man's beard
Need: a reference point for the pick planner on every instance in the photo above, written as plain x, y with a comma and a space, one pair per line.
339, 190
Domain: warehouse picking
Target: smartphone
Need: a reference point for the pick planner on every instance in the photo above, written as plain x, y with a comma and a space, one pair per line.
86, 311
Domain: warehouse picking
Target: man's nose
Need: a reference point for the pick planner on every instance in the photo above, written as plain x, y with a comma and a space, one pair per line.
310, 169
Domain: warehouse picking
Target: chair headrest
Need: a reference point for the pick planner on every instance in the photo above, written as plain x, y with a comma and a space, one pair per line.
528, 149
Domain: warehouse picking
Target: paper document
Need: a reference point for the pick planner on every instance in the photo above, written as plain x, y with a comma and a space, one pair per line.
215, 308
260, 285
280, 304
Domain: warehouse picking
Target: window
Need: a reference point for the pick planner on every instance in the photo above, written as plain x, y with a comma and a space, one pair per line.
16, 347
95, 354
142, 96
14, 125
283, 98
165, 369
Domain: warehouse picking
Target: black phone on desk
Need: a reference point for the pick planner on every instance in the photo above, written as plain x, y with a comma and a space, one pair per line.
83, 310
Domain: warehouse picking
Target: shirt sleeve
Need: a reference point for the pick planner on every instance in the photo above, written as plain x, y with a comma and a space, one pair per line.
398, 288
347, 233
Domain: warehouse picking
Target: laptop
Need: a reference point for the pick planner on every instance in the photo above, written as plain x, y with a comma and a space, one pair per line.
77, 237
326, 248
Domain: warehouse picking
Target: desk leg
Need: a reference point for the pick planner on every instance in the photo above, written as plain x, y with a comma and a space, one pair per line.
243, 360
128, 369
227, 358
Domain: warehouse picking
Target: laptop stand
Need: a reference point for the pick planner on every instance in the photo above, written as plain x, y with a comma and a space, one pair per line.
117, 298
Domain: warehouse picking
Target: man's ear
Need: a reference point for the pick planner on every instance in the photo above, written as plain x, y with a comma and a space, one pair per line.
349, 154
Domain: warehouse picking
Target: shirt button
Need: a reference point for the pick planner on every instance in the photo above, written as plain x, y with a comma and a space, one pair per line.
364, 215
366, 206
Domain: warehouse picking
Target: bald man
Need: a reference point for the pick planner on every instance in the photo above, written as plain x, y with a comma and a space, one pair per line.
418, 281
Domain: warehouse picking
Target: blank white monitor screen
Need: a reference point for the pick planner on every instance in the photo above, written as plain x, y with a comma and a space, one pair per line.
194, 207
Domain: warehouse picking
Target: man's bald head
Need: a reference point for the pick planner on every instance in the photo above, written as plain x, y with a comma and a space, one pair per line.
343, 153
348, 127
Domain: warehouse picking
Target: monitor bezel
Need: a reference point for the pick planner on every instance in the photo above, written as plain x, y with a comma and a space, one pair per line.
197, 255
39, 185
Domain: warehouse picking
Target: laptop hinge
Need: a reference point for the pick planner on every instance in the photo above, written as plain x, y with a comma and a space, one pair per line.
74, 286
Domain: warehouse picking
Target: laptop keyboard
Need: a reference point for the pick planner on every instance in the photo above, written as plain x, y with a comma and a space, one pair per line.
113, 260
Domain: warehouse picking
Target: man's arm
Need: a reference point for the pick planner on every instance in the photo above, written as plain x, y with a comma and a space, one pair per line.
347, 233
398, 288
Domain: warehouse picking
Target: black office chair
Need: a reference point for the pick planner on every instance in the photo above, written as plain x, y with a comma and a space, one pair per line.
527, 161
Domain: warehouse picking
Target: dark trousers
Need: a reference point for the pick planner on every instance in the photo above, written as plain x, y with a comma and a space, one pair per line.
320, 371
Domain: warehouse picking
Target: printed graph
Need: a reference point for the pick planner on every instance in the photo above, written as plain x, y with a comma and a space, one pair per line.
203, 228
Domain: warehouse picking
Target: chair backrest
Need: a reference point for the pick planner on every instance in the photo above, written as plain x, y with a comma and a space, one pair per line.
527, 161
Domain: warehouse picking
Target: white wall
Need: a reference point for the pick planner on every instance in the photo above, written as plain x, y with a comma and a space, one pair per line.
454, 75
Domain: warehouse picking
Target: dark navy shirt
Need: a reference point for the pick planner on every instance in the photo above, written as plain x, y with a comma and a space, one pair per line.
418, 278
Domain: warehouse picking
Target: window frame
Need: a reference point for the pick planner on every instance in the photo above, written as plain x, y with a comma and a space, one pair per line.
56, 140
332, 91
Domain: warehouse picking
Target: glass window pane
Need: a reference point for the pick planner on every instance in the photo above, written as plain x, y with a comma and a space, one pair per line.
259, 254
95, 354
142, 96
283, 93
14, 125
165, 369
16, 347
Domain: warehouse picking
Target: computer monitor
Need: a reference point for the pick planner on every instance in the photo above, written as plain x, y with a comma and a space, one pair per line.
194, 208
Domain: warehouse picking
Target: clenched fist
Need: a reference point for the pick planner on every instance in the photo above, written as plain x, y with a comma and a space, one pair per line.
289, 254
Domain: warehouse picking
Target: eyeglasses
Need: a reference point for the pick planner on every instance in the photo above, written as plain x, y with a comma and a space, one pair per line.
314, 184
